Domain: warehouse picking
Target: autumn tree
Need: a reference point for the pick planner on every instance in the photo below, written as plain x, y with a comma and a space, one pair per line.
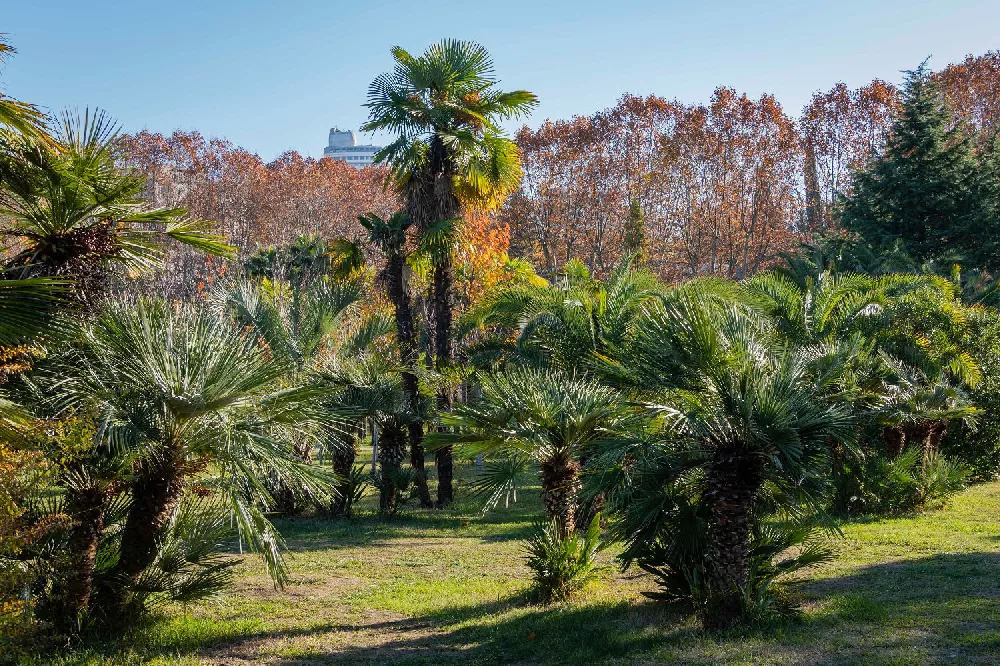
841, 130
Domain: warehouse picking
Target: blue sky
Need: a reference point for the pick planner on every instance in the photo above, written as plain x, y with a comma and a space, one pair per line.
273, 76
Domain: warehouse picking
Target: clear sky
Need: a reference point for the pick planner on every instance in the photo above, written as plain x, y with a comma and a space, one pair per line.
273, 76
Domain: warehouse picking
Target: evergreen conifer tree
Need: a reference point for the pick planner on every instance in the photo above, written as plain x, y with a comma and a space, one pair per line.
635, 233
926, 191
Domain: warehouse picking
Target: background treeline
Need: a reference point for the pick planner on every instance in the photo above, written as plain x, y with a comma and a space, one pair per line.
724, 188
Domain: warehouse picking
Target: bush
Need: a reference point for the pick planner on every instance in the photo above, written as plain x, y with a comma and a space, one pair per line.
562, 564
979, 447
909, 482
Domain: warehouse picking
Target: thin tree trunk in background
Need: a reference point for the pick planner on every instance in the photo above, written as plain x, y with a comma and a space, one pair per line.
814, 204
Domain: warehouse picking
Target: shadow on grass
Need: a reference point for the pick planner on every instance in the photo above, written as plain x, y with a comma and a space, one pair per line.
509, 634
939, 609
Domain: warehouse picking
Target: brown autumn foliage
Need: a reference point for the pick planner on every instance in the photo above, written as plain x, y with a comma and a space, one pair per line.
972, 89
717, 185
255, 204
724, 187
841, 130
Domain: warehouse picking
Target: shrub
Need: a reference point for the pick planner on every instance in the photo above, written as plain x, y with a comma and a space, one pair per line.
563, 563
910, 481
356, 481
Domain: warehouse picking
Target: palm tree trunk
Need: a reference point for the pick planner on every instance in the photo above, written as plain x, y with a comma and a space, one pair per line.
406, 337
444, 358
733, 482
343, 463
392, 449
560, 487
894, 438
430, 198
155, 493
86, 507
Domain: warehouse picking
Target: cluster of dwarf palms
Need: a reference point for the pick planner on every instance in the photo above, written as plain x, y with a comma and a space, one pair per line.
713, 421
164, 426
170, 426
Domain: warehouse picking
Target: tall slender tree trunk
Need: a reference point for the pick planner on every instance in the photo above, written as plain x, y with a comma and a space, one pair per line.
560, 489
343, 464
444, 357
815, 217
431, 199
86, 507
155, 492
406, 336
733, 483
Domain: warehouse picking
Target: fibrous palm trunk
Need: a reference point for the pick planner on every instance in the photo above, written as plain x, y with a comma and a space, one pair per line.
392, 450
156, 490
343, 463
894, 438
560, 488
732, 485
406, 337
444, 353
430, 199
86, 507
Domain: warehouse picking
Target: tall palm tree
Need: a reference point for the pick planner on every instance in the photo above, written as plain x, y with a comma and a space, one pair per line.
450, 152
182, 395
390, 237
550, 417
74, 212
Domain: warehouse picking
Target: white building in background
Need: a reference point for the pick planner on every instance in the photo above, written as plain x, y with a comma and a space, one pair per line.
344, 146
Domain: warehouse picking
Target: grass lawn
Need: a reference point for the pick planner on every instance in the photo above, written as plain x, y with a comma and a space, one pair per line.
450, 587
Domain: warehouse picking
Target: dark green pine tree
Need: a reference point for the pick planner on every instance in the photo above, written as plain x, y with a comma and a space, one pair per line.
924, 192
635, 233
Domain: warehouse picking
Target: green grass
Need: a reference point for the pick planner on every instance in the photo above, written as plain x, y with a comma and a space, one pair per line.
451, 588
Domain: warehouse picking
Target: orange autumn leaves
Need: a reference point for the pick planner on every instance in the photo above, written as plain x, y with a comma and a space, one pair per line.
716, 183
725, 187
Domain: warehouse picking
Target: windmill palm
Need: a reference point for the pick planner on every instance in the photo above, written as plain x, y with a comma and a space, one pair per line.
450, 152
551, 418
21, 117
183, 395
73, 212
389, 236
